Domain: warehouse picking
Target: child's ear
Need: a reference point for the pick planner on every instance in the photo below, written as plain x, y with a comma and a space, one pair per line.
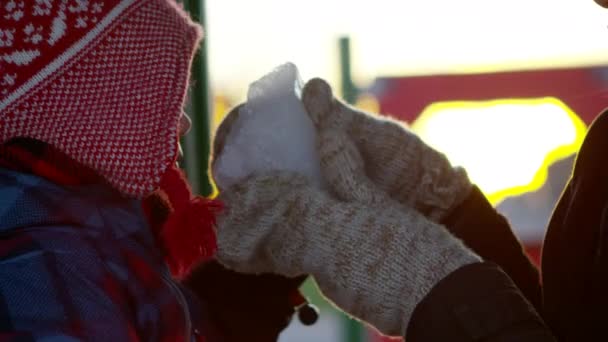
222, 131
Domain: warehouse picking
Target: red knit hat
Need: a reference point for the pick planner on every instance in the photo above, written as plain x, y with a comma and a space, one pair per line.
102, 81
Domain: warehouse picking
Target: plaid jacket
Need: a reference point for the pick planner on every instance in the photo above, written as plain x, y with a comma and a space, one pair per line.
80, 264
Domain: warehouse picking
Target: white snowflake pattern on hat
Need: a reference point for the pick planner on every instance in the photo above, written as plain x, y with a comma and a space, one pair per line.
32, 23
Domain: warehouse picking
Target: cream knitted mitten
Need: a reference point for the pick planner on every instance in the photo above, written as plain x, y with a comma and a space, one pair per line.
394, 158
374, 262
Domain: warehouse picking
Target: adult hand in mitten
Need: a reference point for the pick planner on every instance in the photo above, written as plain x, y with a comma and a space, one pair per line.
395, 159
374, 262
354, 146
479, 287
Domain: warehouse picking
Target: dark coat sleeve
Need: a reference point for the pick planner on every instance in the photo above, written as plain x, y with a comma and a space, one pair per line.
493, 301
477, 302
489, 235
575, 250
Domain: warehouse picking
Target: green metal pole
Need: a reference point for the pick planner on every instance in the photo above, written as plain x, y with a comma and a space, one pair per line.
349, 90
353, 331
197, 143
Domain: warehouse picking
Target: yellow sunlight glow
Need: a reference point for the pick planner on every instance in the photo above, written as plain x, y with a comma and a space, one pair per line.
505, 145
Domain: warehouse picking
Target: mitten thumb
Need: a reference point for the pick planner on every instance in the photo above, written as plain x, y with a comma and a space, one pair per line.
318, 99
325, 111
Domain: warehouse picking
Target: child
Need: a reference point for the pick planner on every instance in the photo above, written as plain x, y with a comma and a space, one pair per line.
91, 96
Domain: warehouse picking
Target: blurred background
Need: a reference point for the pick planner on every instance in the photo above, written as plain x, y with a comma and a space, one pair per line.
504, 88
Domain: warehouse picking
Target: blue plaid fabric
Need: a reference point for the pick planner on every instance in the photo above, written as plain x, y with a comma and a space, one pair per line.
80, 264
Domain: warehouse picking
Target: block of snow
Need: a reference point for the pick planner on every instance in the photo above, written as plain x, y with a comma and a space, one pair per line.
273, 132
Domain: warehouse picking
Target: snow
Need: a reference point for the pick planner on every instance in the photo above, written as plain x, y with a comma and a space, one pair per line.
272, 132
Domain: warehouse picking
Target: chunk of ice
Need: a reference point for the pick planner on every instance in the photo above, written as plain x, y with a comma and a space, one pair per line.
273, 132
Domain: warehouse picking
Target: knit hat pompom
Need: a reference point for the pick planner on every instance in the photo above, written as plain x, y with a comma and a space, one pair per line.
188, 234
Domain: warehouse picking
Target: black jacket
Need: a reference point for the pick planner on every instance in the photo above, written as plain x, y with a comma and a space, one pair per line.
480, 302
575, 253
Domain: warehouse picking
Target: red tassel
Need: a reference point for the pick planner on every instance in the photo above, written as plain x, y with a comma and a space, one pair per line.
188, 235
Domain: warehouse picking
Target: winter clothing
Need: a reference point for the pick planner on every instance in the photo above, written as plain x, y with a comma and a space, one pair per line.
232, 306
66, 64
245, 307
345, 168
574, 262
290, 229
478, 302
573, 273
104, 82
280, 223
91, 93
283, 225
80, 262
488, 234
398, 162
395, 160
187, 236
35, 157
